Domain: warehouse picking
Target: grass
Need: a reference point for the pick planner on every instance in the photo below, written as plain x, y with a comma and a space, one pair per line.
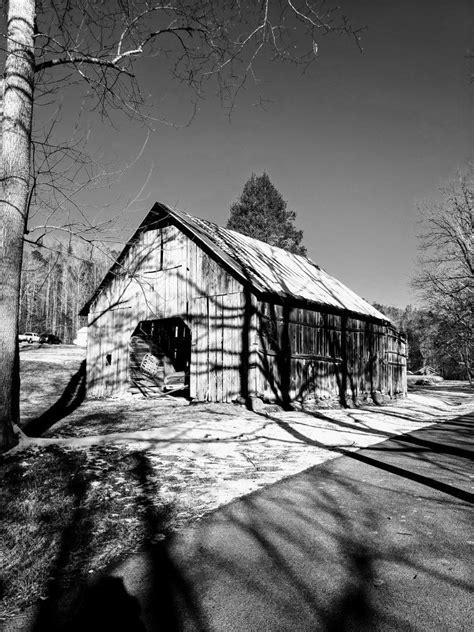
69, 511
45, 373
65, 514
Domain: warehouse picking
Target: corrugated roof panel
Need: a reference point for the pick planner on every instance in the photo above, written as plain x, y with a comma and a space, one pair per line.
267, 268
276, 271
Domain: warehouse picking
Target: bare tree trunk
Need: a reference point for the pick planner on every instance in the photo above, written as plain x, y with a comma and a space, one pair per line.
466, 360
28, 308
64, 297
47, 307
16, 135
54, 314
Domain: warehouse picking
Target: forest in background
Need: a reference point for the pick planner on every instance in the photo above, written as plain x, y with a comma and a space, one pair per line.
56, 282
428, 340
58, 278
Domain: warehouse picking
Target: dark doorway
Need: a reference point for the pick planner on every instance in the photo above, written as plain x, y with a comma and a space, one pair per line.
160, 357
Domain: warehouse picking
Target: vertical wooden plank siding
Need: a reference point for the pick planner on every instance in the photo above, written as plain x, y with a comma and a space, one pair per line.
199, 349
161, 275
319, 348
92, 353
310, 352
213, 335
219, 369
233, 321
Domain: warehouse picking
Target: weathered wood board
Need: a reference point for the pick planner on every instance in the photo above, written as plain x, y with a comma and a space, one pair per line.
241, 346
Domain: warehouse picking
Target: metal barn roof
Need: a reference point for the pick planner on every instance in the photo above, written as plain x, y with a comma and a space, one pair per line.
269, 269
276, 271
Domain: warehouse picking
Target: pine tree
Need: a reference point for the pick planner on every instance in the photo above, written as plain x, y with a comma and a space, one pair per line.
261, 212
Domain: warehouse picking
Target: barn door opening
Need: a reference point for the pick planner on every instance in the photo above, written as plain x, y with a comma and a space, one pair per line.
160, 357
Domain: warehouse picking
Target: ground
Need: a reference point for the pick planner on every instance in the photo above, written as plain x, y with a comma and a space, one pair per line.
107, 466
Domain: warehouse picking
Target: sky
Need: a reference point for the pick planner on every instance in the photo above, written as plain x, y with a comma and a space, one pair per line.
353, 145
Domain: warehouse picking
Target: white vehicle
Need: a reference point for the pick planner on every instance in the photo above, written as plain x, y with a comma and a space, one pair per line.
29, 336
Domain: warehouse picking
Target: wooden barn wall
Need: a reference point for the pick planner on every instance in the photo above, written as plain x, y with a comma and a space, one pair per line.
239, 346
221, 367
165, 274
305, 354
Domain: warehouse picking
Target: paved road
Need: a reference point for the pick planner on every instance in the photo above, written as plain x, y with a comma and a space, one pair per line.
376, 540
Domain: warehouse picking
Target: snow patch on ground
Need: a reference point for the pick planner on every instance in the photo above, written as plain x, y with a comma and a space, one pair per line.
210, 454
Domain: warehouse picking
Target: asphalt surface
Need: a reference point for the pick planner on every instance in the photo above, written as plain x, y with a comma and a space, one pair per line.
380, 539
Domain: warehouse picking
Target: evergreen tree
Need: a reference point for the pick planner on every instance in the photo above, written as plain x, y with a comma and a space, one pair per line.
261, 212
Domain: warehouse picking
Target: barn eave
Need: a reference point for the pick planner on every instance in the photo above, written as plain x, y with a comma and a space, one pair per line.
211, 239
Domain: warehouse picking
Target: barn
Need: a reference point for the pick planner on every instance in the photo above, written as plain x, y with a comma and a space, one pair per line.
194, 308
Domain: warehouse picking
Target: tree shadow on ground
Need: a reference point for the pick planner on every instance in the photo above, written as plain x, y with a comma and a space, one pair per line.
306, 553
72, 397
290, 558
76, 601
107, 605
168, 596
326, 550
61, 591
432, 446
363, 457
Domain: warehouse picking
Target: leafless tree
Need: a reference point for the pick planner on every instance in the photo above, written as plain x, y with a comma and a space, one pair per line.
446, 273
48, 46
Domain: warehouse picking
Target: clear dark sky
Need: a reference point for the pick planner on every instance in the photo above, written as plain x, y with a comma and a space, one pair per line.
352, 146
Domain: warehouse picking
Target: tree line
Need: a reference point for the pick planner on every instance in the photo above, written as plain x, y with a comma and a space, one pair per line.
429, 341
56, 281
440, 331
445, 278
